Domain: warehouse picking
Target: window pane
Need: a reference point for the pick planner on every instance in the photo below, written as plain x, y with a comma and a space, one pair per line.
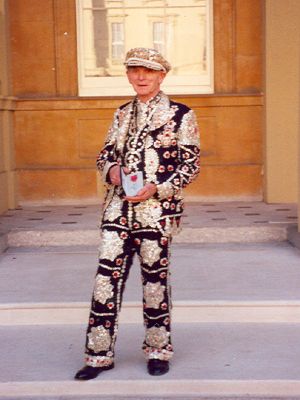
117, 30
159, 36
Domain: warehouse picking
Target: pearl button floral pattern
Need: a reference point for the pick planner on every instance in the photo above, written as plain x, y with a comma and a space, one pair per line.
99, 339
103, 288
150, 251
111, 245
157, 337
154, 294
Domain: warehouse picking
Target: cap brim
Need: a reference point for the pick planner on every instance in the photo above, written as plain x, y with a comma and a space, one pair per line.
137, 62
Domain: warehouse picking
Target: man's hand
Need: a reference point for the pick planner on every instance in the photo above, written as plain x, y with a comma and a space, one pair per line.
144, 194
115, 175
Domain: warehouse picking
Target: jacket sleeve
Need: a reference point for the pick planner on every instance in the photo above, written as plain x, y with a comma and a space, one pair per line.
107, 157
188, 142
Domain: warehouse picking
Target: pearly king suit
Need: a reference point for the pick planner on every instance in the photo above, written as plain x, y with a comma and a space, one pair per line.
161, 139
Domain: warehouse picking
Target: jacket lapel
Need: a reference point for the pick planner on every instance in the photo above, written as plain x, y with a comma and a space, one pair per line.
163, 113
124, 121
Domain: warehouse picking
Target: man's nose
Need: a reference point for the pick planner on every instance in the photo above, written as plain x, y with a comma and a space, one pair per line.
141, 75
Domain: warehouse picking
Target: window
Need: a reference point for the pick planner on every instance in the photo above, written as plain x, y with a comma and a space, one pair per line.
181, 31
117, 45
159, 36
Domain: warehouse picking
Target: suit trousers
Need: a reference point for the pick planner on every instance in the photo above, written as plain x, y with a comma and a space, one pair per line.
119, 244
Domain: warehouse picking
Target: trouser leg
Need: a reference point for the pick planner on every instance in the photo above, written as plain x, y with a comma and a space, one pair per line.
154, 255
115, 260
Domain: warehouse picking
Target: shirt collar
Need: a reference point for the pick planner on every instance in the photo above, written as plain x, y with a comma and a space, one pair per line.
143, 105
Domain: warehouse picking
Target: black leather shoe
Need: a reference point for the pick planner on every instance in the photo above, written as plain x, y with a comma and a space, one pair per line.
158, 367
87, 372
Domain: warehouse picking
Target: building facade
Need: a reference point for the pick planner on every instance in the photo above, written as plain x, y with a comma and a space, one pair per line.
51, 130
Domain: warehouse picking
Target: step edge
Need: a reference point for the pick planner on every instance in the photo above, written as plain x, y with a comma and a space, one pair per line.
232, 313
239, 234
176, 304
166, 387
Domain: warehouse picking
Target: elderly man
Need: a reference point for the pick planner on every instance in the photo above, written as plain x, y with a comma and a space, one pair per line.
150, 155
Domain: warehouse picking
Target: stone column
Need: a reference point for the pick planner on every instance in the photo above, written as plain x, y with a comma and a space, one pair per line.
7, 173
299, 152
282, 49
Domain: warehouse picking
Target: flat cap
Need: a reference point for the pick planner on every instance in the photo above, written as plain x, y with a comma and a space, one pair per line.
148, 58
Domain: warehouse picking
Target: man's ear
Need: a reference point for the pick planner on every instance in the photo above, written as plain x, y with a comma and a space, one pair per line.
162, 76
128, 76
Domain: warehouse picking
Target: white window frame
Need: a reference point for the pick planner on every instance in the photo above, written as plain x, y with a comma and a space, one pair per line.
119, 86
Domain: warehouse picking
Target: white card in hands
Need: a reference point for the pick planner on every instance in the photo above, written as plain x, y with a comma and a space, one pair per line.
132, 182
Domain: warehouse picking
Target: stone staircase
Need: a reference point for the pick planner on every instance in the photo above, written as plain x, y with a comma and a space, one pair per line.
236, 316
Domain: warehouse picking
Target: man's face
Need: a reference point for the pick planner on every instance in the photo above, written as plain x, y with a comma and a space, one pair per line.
146, 82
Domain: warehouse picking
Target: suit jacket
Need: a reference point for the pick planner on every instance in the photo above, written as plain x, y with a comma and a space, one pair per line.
170, 159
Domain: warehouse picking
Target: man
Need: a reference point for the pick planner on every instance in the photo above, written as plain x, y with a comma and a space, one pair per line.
152, 149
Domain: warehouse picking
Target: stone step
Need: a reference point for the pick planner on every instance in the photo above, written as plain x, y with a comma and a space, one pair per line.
182, 312
241, 361
198, 272
228, 282
219, 222
237, 234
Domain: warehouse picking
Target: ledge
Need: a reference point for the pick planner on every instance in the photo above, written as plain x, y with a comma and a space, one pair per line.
7, 103
85, 103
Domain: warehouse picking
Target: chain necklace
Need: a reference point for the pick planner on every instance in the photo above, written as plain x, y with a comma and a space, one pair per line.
135, 142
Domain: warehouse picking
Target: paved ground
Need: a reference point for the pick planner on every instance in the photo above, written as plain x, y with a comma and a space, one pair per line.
196, 215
